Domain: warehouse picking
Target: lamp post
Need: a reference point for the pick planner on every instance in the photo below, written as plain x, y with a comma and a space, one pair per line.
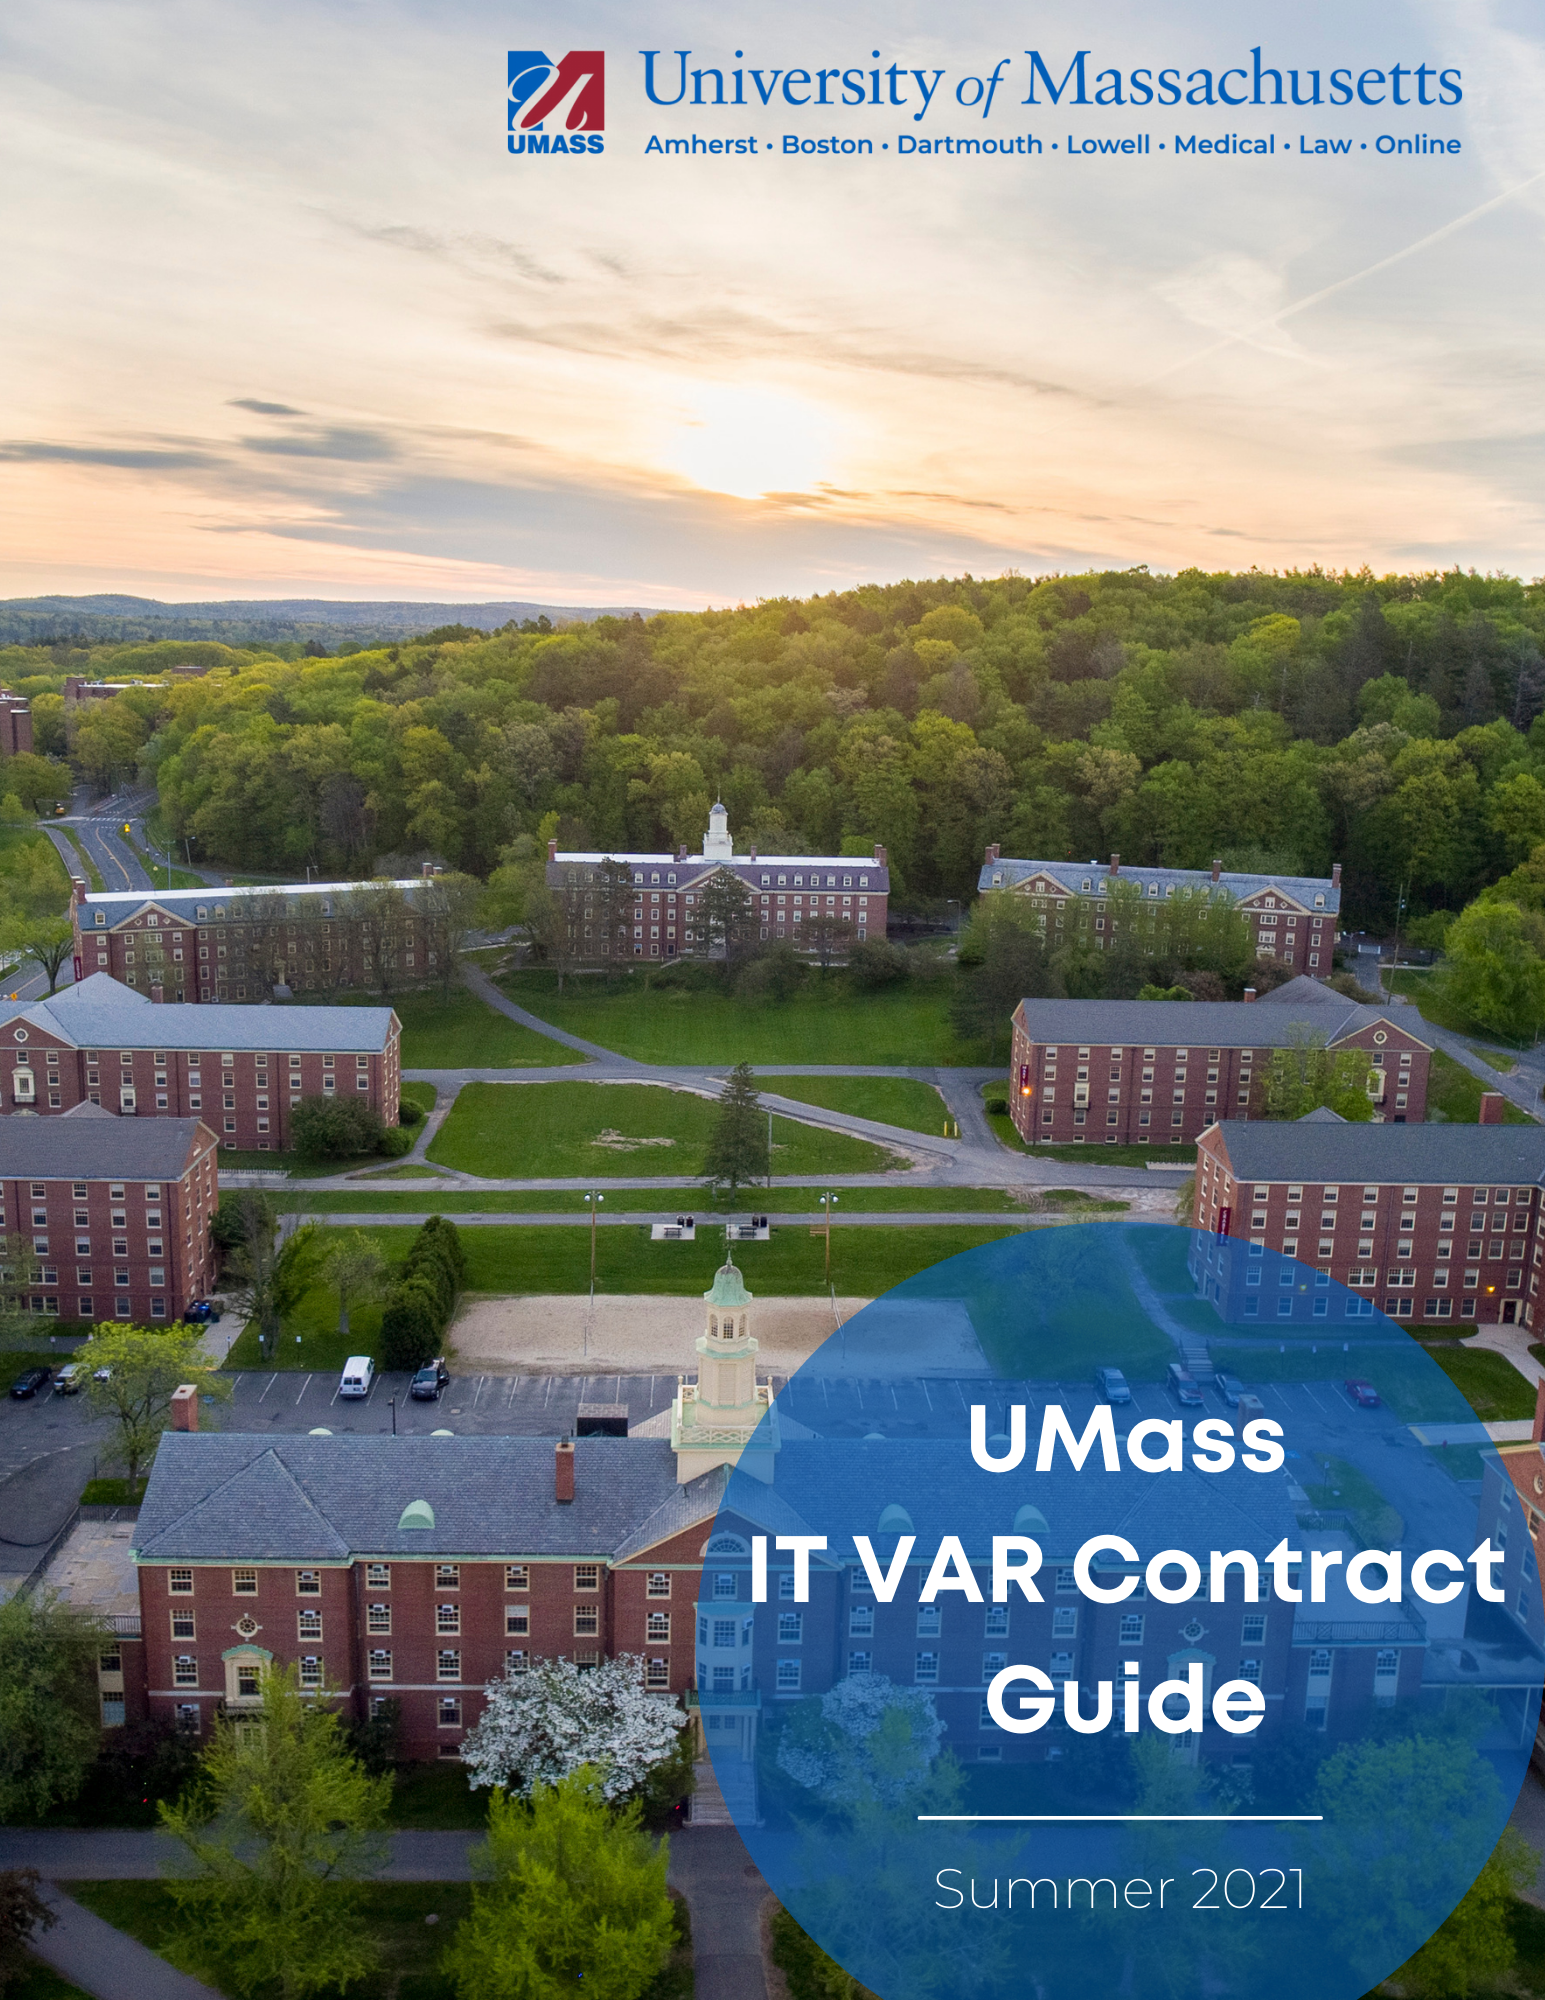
828, 1200
595, 1201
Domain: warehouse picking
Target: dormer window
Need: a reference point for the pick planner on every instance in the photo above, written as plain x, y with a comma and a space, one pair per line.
1319, 902
200, 912
1085, 884
1153, 888
101, 916
670, 881
863, 881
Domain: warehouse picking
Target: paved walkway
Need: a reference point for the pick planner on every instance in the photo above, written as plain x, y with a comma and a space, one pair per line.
107, 1962
724, 1891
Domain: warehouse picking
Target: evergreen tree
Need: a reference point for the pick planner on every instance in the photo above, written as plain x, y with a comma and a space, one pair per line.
279, 1826
738, 1148
575, 1893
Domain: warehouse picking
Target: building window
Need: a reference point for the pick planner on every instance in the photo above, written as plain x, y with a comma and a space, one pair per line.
659, 1583
788, 1677
859, 1663
447, 1576
448, 1618
1131, 1629
378, 1576
516, 1662
182, 1625
179, 1582
587, 1576
308, 1624
517, 1576
448, 1664
185, 1671
724, 1583
450, 1712
310, 1670
861, 1621
791, 1628
657, 1628
587, 1621
926, 1668
996, 1622
378, 1618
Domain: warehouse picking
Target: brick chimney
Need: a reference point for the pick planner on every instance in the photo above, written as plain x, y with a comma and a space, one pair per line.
77, 889
563, 1470
1115, 866
1249, 993
879, 854
1335, 876
681, 852
1217, 867
753, 850
993, 851
427, 870
1537, 1435
185, 1408
552, 850
1491, 1108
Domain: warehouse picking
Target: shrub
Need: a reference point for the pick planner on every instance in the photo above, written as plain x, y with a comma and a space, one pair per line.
394, 1142
410, 1327
998, 1105
335, 1128
440, 1229
409, 1113
810, 1972
876, 962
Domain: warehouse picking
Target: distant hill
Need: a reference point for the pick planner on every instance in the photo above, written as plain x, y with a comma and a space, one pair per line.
31, 621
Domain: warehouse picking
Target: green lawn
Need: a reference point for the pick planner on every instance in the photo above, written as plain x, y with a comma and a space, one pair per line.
1494, 1058
410, 1948
511, 1261
645, 1201
456, 1031
1094, 1154
41, 1982
1454, 1094
437, 1796
424, 1095
1341, 1486
1086, 1315
534, 1130
893, 1100
1426, 989
824, 1023
1488, 1381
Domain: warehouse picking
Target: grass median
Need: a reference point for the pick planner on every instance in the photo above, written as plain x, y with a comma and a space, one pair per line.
556, 1260
607, 1130
892, 1100
661, 1201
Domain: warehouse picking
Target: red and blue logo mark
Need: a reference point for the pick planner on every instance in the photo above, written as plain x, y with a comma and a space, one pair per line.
540, 89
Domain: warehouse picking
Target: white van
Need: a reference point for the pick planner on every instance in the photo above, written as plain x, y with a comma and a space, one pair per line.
358, 1373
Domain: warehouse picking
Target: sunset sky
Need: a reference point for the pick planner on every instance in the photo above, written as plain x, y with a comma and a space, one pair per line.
283, 316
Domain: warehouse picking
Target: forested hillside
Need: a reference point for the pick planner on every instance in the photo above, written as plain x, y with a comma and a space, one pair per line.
1390, 723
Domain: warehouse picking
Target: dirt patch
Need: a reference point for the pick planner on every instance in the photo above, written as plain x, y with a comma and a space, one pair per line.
627, 1334
619, 1142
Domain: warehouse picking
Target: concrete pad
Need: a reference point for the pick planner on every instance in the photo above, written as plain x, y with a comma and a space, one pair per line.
628, 1334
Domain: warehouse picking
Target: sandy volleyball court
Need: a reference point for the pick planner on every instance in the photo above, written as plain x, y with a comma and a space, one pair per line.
630, 1334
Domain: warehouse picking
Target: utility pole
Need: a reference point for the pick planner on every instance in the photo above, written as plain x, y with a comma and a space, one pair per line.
595, 1201
828, 1200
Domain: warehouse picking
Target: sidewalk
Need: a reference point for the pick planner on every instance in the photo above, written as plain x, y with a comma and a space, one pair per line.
106, 1962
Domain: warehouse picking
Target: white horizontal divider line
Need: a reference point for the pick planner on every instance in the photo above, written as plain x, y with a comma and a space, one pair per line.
1227, 1819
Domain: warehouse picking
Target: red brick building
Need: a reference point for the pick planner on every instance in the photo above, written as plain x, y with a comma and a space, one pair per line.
664, 919
235, 944
117, 1212
1439, 1224
15, 725
1135, 1072
1292, 918
240, 1069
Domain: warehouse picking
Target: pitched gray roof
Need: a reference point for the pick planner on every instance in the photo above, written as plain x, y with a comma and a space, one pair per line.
77, 1149
234, 1498
102, 1013
1202, 1023
184, 904
1072, 875
1509, 1155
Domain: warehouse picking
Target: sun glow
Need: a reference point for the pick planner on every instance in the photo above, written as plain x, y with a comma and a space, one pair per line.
749, 441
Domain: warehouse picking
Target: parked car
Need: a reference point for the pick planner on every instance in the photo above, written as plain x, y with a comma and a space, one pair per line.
202, 1312
1183, 1382
1230, 1388
429, 1381
69, 1379
1362, 1393
1249, 1406
359, 1371
1112, 1385
30, 1381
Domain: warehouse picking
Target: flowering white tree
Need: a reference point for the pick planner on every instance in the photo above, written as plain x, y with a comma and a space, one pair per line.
869, 1738
544, 1724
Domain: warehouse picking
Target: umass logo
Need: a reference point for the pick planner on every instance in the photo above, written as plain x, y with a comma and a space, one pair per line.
572, 90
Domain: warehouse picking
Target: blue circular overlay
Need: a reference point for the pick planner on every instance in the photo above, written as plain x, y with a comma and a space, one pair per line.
1215, 1726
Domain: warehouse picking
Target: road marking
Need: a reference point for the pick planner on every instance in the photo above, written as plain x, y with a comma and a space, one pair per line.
271, 1381
303, 1388
1314, 1399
